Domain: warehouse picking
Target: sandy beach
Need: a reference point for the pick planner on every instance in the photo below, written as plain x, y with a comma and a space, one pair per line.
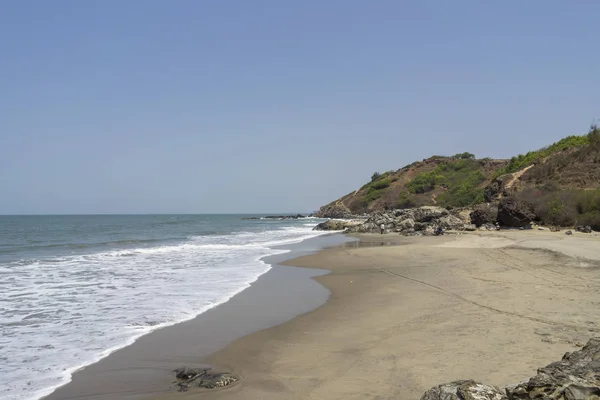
402, 318
402, 315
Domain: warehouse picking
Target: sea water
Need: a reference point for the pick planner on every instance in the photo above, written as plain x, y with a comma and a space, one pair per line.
73, 289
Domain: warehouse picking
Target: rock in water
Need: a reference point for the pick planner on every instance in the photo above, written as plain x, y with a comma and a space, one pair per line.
464, 390
575, 377
515, 213
202, 378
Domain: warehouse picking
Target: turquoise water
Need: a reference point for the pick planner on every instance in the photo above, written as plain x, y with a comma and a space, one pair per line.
75, 288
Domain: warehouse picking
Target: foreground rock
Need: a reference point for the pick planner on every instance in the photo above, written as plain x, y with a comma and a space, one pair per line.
515, 213
575, 377
188, 378
412, 221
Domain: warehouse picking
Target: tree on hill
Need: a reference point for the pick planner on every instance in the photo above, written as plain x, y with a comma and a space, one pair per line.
464, 156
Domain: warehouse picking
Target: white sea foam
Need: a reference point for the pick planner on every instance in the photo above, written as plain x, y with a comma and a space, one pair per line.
60, 314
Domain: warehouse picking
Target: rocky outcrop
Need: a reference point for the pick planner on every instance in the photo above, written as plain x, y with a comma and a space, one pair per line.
483, 215
575, 377
335, 225
188, 378
412, 221
515, 213
336, 210
277, 217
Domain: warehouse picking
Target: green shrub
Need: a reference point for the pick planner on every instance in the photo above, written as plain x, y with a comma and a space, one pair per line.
380, 184
565, 208
405, 201
522, 161
464, 193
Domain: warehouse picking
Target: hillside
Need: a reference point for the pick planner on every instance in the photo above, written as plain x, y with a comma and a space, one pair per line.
563, 177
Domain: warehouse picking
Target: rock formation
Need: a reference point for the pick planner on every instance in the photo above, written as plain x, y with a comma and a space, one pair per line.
412, 221
483, 215
515, 213
575, 377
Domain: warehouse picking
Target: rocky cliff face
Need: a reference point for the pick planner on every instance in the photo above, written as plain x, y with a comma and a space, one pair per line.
575, 377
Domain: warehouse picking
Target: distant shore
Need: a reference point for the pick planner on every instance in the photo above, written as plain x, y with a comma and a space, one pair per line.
404, 314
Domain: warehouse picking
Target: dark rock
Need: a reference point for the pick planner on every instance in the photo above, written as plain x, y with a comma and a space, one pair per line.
568, 232
493, 191
515, 213
583, 229
575, 377
484, 215
202, 378
464, 390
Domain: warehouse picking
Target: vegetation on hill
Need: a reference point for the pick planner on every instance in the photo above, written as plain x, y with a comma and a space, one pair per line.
563, 182
460, 178
532, 157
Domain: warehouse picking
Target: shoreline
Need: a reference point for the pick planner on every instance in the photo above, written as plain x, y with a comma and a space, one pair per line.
401, 319
143, 376
441, 321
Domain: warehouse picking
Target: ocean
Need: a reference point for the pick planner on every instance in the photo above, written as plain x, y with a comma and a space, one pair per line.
73, 289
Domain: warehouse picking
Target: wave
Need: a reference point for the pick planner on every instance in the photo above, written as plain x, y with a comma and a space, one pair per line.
70, 311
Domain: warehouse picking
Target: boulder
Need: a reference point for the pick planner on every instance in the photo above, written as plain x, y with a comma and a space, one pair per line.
451, 222
484, 215
406, 225
583, 229
516, 213
464, 390
334, 225
428, 213
569, 233
202, 378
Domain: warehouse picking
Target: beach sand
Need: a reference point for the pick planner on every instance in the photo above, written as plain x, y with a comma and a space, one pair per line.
403, 315
403, 318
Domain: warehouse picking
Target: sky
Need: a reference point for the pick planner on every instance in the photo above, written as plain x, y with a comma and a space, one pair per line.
190, 106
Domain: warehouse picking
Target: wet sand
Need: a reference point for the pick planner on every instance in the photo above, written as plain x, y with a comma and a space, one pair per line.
145, 368
401, 319
403, 314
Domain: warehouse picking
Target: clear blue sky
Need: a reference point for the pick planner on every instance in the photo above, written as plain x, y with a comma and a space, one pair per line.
144, 106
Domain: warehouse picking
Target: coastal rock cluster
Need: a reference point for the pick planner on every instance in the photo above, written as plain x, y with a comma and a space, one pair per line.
412, 221
188, 378
575, 377
277, 217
